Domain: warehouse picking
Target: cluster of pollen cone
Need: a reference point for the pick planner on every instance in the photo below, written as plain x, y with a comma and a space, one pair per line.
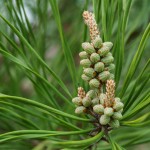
98, 68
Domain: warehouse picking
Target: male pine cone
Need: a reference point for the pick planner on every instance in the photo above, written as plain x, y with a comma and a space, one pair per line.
98, 68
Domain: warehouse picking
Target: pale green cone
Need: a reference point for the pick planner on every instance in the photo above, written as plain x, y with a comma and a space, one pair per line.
108, 54
99, 67
108, 44
80, 110
92, 94
86, 101
117, 115
103, 51
94, 83
97, 42
114, 123
118, 106
121, 110
111, 77
85, 63
104, 120
110, 68
107, 60
102, 98
77, 101
108, 111
98, 108
83, 55
94, 57
85, 78
103, 76
89, 72
117, 99
95, 101
88, 47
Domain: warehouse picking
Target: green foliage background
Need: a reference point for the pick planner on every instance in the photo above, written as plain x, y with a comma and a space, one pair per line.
40, 72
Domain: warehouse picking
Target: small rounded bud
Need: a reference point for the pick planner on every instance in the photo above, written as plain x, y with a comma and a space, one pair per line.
117, 99
121, 110
83, 55
108, 44
77, 101
98, 108
108, 111
117, 115
94, 83
97, 42
111, 77
118, 106
99, 67
85, 78
102, 98
92, 94
94, 57
80, 110
107, 60
104, 120
110, 68
88, 47
114, 123
85, 63
109, 54
86, 101
103, 51
103, 76
96, 91
89, 72
95, 101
